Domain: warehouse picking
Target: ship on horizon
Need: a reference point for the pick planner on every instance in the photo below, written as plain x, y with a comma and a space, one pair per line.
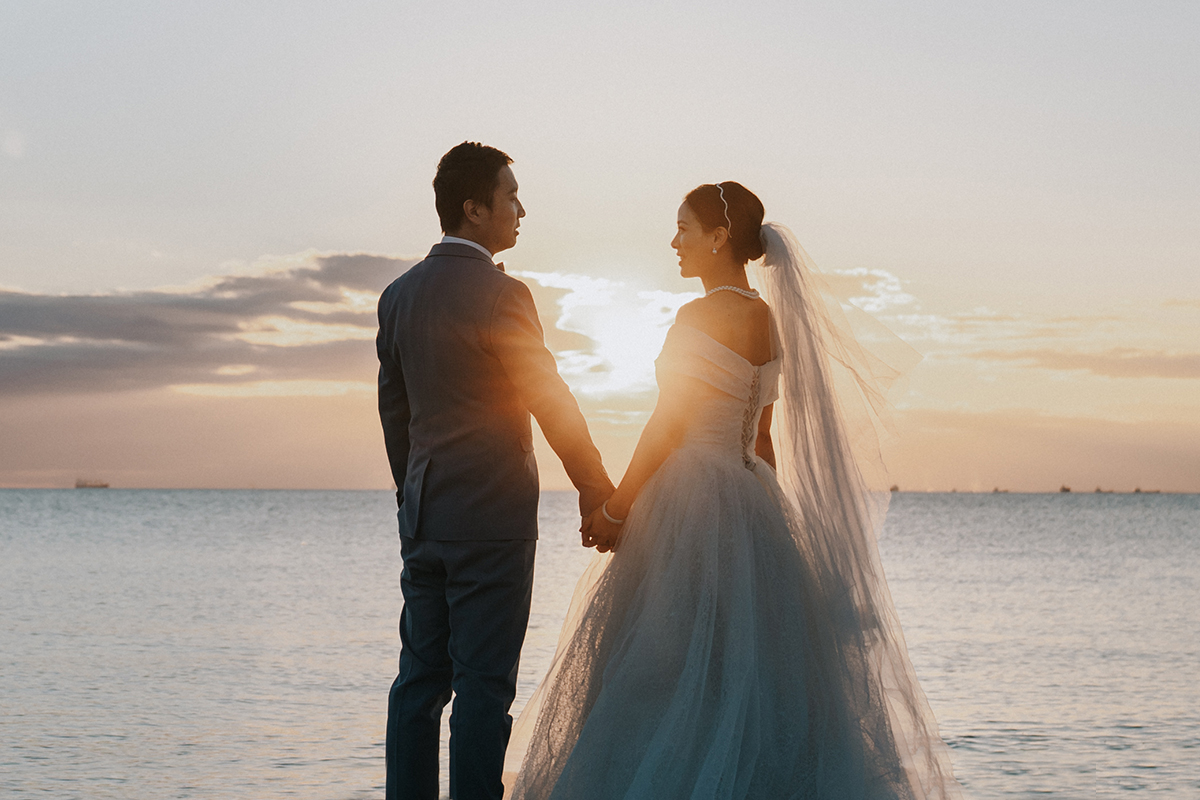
83, 483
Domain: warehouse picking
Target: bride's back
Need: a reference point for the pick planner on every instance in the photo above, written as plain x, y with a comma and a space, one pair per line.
739, 323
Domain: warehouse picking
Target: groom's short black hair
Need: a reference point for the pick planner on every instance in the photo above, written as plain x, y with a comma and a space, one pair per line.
470, 171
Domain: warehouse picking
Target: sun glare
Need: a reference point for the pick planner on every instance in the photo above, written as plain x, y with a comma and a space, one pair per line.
626, 324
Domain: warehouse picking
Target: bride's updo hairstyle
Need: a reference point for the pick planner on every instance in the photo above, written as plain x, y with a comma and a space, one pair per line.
743, 219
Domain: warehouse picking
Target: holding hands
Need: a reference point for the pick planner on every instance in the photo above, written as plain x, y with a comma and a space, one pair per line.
601, 529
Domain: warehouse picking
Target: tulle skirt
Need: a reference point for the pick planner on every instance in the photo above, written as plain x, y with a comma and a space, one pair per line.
701, 661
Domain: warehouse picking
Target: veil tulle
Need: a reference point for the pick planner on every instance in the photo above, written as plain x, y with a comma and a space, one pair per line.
838, 364
839, 361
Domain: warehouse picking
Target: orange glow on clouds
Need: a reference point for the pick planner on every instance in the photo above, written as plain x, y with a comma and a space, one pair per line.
285, 395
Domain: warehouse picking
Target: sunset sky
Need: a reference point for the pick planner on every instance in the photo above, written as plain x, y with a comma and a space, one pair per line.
199, 204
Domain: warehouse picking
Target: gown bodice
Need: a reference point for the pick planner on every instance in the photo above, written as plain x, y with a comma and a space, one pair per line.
729, 396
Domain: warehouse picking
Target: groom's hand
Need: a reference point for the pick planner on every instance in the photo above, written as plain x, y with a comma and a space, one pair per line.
590, 500
588, 533
585, 532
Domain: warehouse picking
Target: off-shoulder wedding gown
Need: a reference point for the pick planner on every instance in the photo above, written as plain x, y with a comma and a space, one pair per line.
713, 655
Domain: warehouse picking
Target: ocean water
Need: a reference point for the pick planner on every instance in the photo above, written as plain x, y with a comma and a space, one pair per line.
240, 644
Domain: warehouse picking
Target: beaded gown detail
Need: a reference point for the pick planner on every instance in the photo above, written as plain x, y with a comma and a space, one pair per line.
707, 657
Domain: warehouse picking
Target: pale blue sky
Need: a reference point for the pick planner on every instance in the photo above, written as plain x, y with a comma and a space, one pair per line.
986, 150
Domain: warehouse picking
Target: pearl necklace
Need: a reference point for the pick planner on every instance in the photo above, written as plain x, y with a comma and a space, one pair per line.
753, 295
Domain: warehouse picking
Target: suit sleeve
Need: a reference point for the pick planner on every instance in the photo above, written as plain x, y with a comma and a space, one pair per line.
394, 411
516, 339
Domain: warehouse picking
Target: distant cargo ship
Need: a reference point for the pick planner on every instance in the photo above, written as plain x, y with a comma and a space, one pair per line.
84, 484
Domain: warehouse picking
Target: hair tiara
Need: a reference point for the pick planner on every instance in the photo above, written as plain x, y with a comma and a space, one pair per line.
724, 202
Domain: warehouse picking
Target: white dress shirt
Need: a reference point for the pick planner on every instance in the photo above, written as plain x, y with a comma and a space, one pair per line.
468, 242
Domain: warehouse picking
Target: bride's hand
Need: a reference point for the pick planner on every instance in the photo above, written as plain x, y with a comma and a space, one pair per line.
600, 532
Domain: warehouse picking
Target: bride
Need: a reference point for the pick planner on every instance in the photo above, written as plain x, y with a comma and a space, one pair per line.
740, 642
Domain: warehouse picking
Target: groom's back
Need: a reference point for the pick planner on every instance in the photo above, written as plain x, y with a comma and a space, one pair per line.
446, 399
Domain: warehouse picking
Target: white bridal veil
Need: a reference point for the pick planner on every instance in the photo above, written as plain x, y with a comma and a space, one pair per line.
837, 367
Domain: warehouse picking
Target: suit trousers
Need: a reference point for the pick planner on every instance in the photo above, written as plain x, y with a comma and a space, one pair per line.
466, 608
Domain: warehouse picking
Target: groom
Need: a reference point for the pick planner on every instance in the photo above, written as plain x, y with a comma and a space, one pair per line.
462, 365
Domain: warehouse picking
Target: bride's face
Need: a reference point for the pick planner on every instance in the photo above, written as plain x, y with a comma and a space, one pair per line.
692, 245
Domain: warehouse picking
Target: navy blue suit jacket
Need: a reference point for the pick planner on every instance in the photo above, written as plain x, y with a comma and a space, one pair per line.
462, 364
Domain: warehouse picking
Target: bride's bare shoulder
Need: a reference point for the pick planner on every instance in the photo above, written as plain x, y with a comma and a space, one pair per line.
739, 323
690, 313
723, 311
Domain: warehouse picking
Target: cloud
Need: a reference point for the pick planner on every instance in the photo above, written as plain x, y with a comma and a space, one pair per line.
965, 333
296, 388
304, 325
1120, 362
311, 320
268, 378
873, 290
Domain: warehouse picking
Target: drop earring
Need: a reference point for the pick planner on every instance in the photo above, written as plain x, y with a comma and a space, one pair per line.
714, 251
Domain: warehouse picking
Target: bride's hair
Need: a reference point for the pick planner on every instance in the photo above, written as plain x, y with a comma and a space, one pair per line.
735, 208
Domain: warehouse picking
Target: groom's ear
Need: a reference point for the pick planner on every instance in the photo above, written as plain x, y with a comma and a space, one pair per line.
473, 212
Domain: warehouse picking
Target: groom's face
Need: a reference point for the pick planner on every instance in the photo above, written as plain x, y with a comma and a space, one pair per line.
506, 212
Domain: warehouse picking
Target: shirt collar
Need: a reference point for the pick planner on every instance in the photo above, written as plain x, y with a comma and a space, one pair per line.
469, 243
